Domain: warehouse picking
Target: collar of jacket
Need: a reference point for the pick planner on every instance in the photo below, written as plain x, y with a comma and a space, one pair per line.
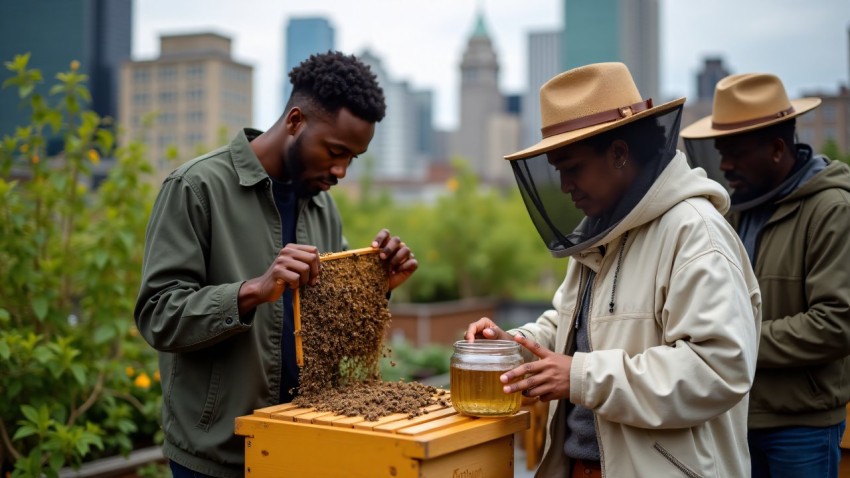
248, 166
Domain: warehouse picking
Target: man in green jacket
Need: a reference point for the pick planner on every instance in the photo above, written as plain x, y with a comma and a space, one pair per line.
791, 209
231, 235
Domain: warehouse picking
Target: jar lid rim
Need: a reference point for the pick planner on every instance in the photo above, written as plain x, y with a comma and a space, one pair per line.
485, 344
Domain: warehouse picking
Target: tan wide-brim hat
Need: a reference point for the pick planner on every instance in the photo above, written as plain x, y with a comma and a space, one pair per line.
747, 102
586, 101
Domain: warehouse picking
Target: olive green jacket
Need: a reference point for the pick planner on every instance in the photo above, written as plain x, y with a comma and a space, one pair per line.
215, 225
803, 268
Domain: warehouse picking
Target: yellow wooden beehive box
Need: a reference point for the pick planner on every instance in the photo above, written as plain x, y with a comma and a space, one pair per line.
284, 441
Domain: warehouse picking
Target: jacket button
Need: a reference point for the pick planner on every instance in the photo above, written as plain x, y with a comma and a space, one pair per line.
228, 320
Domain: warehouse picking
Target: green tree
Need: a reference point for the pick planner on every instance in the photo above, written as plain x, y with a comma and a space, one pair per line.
831, 150
472, 242
76, 380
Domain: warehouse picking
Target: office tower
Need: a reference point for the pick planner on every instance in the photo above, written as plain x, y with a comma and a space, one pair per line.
480, 100
304, 36
830, 122
97, 33
615, 30
197, 93
712, 72
401, 146
544, 62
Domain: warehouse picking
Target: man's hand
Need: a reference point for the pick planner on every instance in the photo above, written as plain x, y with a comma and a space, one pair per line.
397, 256
294, 266
484, 328
547, 378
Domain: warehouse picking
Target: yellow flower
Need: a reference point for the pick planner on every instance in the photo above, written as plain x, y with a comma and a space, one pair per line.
75, 65
452, 184
134, 332
25, 147
142, 381
130, 371
35, 159
156, 375
94, 157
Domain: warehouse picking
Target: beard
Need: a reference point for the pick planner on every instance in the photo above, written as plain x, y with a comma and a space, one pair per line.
295, 170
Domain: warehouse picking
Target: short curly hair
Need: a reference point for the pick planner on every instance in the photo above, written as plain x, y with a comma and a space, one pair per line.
333, 81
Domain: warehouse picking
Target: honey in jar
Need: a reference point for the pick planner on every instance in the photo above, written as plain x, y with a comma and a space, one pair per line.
475, 370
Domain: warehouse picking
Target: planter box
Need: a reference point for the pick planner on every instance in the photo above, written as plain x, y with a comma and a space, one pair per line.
116, 466
287, 441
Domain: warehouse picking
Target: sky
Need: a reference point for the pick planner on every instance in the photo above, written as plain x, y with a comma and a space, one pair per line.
805, 43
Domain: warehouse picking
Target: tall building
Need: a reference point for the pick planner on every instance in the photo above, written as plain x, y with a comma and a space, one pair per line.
97, 33
304, 36
615, 30
829, 122
480, 100
196, 93
544, 62
401, 147
504, 131
712, 72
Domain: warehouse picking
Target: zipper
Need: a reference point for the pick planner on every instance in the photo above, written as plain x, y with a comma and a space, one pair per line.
675, 462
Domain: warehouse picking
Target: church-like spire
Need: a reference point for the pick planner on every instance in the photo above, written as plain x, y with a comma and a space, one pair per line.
480, 30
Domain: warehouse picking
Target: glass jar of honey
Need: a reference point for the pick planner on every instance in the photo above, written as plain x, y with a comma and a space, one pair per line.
475, 370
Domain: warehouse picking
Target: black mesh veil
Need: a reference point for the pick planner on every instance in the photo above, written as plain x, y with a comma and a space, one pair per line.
701, 153
565, 229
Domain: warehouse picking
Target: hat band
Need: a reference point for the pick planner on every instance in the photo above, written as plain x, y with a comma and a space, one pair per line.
596, 118
751, 122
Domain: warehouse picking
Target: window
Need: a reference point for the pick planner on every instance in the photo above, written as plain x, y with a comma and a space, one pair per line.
195, 138
141, 99
140, 75
167, 73
195, 94
195, 71
167, 118
195, 116
828, 112
167, 97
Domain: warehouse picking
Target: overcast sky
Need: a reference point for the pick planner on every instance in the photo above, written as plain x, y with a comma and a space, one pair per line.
804, 42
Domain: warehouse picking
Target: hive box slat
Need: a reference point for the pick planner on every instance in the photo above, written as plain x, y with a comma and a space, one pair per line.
329, 419
431, 416
311, 417
290, 414
434, 425
369, 425
267, 412
439, 444
348, 422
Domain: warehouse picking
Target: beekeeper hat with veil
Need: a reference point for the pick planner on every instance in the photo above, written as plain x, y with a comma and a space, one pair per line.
593, 104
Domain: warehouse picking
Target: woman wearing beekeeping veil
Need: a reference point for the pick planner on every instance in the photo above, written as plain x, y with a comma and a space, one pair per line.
648, 356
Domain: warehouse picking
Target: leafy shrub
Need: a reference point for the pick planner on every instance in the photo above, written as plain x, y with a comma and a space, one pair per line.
77, 382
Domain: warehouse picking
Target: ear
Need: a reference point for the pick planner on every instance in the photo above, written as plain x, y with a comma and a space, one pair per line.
619, 151
294, 120
777, 149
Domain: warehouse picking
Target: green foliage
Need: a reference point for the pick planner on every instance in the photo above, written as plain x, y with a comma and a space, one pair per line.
831, 150
77, 381
471, 242
406, 362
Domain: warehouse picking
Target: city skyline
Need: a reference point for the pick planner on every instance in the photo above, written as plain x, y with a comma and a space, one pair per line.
804, 43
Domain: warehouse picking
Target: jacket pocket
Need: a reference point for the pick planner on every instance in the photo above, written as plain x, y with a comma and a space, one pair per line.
211, 401
675, 462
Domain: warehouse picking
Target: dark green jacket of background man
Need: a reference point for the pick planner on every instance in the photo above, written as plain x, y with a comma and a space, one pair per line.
803, 269
213, 226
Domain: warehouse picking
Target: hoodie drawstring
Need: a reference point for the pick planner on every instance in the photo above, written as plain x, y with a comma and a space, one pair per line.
617, 270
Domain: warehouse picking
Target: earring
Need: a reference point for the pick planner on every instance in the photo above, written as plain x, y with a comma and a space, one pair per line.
621, 165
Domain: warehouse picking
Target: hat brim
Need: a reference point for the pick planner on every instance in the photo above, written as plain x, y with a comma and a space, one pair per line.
702, 129
563, 139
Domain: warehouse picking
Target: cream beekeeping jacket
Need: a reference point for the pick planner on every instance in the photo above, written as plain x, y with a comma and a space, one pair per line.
670, 369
